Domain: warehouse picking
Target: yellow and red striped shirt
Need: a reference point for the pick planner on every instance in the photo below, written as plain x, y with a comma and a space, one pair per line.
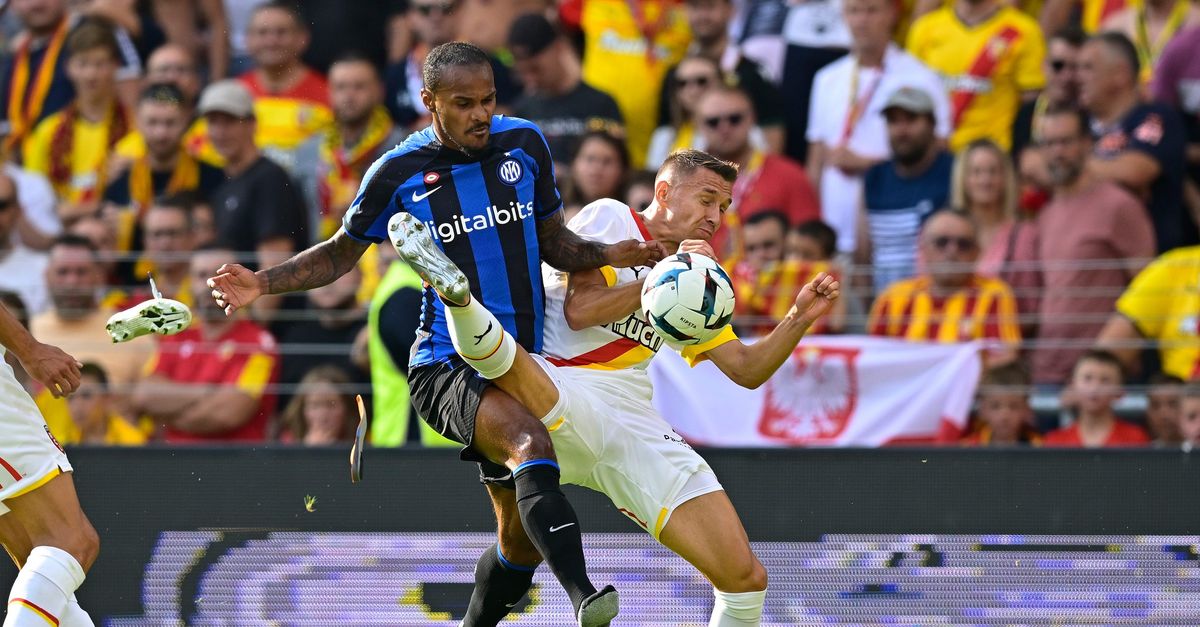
984, 309
767, 296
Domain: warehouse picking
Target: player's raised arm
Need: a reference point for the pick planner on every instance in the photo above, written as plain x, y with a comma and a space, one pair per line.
750, 365
47, 364
564, 250
235, 286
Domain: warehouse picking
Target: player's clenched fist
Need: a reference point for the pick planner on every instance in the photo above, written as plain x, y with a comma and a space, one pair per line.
816, 297
53, 368
234, 287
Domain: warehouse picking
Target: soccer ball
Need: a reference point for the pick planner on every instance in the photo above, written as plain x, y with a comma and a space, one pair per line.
688, 299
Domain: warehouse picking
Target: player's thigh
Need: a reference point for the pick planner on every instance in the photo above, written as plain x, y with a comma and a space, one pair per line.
707, 532
530, 384
507, 433
514, 542
52, 516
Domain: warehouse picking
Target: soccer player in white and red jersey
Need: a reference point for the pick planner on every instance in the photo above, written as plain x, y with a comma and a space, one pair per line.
592, 391
42, 525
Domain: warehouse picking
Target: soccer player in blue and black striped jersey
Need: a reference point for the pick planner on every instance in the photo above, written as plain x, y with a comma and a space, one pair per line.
484, 186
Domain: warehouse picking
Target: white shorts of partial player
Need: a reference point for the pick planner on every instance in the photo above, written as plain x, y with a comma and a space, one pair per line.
29, 455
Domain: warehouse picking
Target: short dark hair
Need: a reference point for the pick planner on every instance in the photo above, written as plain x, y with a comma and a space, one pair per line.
1101, 356
1071, 34
616, 143
94, 32
95, 371
451, 55
688, 160
165, 93
1081, 116
180, 201
355, 56
16, 306
1191, 389
769, 215
821, 233
71, 240
1011, 375
1119, 44
291, 8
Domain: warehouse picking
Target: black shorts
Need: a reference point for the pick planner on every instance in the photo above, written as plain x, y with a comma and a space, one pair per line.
446, 395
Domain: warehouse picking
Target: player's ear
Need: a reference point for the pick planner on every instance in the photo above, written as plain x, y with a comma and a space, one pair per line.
427, 100
661, 188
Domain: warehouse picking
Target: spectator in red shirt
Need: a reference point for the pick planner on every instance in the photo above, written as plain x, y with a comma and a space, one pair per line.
211, 382
1002, 409
1095, 385
725, 116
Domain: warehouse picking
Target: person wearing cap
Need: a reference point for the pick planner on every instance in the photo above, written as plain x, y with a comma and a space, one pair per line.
990, 56
556, 98
259, 210
900, 193
846, 133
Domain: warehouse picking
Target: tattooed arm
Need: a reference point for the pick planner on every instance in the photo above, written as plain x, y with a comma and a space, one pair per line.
564, 250
235, 286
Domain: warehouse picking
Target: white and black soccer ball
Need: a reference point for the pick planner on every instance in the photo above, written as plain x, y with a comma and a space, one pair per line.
688, 298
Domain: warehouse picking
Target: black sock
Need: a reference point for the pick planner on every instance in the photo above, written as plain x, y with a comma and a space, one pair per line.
499, 585
551, 524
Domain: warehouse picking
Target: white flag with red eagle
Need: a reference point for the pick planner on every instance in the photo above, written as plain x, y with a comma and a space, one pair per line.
832, 391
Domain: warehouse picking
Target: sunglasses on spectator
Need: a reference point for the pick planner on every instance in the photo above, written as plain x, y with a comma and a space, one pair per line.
943, 242
444, 8
1058, 65
734, 119
698, 81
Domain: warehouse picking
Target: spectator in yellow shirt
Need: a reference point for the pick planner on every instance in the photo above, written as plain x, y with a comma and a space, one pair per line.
93, 418
72, 147
990, 56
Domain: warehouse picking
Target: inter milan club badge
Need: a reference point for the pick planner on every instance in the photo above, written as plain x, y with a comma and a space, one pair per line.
510, 171
432, 177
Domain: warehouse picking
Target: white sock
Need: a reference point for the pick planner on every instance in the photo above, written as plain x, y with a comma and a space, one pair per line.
74, 616
480, 339
43, 588
737, 609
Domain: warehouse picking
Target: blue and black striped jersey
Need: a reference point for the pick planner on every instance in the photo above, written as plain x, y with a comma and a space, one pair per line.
482, 211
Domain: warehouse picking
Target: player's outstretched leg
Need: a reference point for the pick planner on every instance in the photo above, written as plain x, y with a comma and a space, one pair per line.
64, 544
523, 445
707, 532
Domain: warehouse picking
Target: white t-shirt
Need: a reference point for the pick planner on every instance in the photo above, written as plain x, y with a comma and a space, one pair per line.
816, 24
23, 271
830, 104
627, 344
36, 198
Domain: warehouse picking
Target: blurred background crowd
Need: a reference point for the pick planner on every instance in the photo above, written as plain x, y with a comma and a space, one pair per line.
1023, 175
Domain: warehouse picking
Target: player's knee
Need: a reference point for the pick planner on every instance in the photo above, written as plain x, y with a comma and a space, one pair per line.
749, 576
85, 545
532, 442
518, 549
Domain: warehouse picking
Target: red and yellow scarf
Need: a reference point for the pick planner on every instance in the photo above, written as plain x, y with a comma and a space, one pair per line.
346, 166
23, 113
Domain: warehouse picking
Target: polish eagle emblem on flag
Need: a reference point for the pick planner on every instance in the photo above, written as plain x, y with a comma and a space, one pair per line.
812, 396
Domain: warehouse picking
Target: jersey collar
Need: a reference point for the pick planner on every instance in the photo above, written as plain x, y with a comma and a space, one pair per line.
637, 219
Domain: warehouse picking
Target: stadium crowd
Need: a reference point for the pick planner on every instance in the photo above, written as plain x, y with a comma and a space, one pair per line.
1026, 175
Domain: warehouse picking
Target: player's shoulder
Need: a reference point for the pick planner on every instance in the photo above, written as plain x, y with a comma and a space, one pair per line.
606, 220
400, 163
513, 132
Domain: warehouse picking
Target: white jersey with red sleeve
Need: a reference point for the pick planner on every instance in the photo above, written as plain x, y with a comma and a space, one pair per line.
626, 344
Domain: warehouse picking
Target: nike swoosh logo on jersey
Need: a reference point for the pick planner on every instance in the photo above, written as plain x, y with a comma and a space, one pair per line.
419, 197
560, 527
479, 338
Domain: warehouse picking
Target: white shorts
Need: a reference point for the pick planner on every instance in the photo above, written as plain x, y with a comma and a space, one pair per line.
29, 455
608, 437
